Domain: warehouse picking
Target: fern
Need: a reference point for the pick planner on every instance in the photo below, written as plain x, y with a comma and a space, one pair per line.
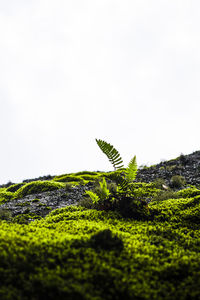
131, 171
112, 154
124, 197
124, 179
121, 182
94, 197
101, 194
104, 190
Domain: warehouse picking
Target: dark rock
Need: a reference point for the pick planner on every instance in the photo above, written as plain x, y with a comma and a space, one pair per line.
41, 204
187, 166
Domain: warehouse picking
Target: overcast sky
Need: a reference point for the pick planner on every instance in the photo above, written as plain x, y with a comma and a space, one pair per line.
127, 72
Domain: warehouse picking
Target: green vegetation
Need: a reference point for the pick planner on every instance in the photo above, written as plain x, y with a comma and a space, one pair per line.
5, 196
5, 214
13, 188
86, 173
69, 178
177, 181
124, 198
124, 178
37, 187
33, 187
79, 253
79, 178
189, 192
125, 239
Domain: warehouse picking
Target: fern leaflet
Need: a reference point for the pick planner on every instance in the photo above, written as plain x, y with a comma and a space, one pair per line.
131, 171
112, 154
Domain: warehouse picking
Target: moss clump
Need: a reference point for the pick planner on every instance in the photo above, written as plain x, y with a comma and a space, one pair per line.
87, 173
106, 240
5, 214
188, 193
25, 218
37, 187
69, 178
131, 203
178, 210
164, 195
5, 196
36, 200
177, 181
13, 188
89, 177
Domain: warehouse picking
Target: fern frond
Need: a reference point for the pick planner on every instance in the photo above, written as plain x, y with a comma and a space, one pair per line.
104, 189
121, 182
131, 171
112, 154
94, 197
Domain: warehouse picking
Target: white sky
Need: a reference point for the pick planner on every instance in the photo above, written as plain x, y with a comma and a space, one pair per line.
127, 72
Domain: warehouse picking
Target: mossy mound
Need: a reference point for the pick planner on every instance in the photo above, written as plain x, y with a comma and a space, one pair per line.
76, 253
85, 254
89, 177
5, 196
80, 177
87, 173
37, 187
14, 187
69, 178
189, 192
178, 210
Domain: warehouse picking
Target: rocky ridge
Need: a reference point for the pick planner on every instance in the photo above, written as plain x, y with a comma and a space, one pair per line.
187, 166
41, 204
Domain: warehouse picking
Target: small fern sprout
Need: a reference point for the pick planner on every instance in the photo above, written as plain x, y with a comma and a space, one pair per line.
131, 171
118, 196
94, 197
105, 193
124, 179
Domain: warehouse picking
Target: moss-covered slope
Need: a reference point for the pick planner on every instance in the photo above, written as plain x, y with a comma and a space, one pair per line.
77, 253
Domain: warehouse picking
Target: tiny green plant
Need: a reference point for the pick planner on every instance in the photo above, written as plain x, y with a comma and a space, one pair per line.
105, 193
101, 193
127, 175
94, 197
122, 198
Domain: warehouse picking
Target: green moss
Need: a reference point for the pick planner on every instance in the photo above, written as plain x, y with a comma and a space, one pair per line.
35, 200
37, 187
75, 253
25, 218
106, 240
177, 181
110, 175
13, 188
42, 204
87, 173
164, 195
5, 196
23, 203
89, 177
69, 178
171, 168
145, 190
178, 210
188, 193
5, 214
85, 254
